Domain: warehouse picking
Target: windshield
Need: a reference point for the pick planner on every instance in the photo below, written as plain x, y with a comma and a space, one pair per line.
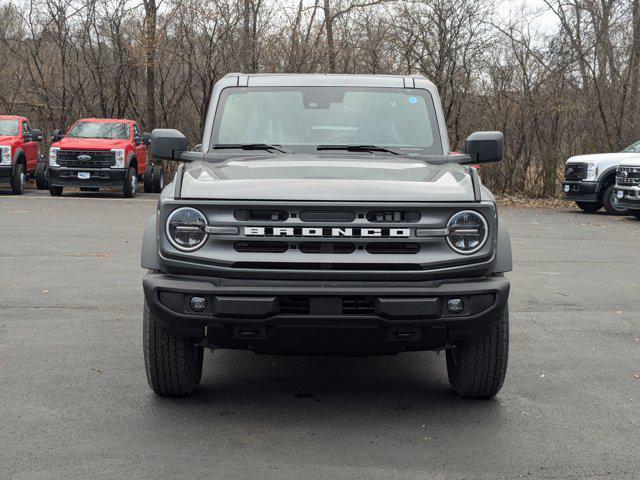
633, 148
118, 131
299, 117
9, 128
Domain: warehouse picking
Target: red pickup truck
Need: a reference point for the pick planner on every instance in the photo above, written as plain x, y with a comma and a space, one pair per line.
102, 153
18, 151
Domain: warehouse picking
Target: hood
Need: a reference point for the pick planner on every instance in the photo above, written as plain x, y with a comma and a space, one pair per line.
327, 178
603, 158
90, 144
9, 140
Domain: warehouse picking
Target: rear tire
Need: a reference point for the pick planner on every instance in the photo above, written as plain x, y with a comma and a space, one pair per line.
477, 367
609, 201
130, 183
173, 364
41, 176
589, 207
55, 191
148, 177
158, 179
17, 179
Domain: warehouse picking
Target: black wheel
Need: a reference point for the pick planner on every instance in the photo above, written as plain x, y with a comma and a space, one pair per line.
55, 191
477, 367
130, 183
42, 182
589, 207
173, 364
158, 179
611, 202
635, 213
17, 179
89, 189
148, 177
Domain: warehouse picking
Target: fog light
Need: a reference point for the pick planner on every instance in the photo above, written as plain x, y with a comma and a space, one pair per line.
198, 304
455, 305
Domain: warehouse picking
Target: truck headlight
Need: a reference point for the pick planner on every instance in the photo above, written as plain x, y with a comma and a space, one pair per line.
186, 229
53, 156
5, 155
592, 172
119, 153
467, 232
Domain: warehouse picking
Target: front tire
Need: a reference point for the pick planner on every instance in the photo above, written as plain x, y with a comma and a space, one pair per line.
635, 213
55, 191
173, 364
589, 207
158, 179
148, 178
477, 367
130, 183
17, 179
609, 201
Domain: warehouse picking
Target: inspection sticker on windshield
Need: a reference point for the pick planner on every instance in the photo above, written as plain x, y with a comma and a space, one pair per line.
84, 175
413, 100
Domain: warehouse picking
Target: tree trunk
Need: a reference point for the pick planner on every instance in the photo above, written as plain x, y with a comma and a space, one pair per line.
150, 21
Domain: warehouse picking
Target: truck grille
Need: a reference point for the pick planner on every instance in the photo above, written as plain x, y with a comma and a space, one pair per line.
76, 159
574, 172
628, 176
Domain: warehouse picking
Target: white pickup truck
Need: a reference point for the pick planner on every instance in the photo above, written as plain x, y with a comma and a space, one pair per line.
627, 189
589, 180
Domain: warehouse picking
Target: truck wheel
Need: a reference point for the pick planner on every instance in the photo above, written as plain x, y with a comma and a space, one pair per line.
148, 176
130, 183
17, 179
589, 207
635, 213
55, 191
158, 179
173, 364
609, 201
477, 367
41, 176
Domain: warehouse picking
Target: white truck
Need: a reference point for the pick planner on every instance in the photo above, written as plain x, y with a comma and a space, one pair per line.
627, 189
589, 180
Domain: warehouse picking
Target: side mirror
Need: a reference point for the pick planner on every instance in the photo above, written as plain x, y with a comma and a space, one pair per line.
56, 136
36, 135
485, 147
146, 138
167, 144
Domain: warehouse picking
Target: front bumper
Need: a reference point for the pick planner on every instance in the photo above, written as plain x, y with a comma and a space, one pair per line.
347, 318
581, 191
99, 177
631, 198
5, 173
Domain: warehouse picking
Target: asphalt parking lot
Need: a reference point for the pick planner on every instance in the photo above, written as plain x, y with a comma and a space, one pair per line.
74, 400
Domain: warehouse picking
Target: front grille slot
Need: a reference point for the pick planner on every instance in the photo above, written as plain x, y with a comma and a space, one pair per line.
327, 266
327, 247
98, 159
298, 305
261, 247
327, 216
628, 176
393, 248
358, 305
387, 216
574, 172
261, 214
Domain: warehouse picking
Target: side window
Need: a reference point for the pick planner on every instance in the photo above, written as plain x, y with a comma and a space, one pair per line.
26, 129
136, 132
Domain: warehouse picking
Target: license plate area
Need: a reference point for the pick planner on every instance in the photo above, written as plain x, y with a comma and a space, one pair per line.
84, 175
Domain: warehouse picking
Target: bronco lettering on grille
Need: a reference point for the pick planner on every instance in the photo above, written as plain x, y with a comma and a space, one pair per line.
326, 232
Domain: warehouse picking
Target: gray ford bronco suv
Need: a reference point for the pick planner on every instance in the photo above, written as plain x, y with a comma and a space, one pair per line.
326, 214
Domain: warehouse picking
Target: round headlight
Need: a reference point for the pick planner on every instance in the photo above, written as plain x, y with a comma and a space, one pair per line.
468, 232
186, 229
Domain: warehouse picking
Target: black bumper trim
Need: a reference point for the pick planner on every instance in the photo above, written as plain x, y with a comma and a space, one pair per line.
100, 177
6, 171
582, 191
248, 316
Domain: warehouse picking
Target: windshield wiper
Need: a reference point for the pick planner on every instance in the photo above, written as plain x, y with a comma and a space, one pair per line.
248, 146
359, 148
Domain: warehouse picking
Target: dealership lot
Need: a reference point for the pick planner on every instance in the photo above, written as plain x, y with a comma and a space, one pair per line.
75, 402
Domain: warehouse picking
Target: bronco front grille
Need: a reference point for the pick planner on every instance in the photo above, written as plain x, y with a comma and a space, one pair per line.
86, 159
628, 176
574, 172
